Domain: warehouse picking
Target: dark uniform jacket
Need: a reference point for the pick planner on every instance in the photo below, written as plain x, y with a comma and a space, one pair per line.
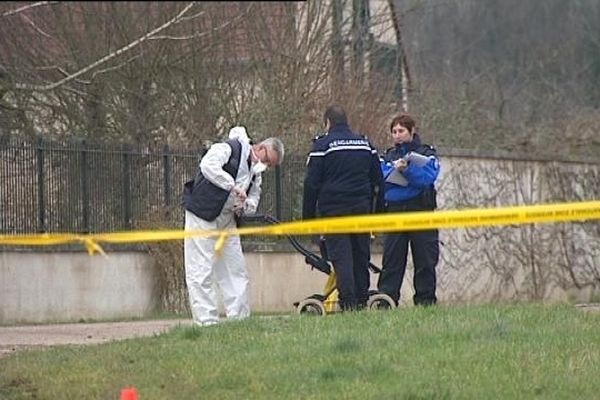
342, 175
420, 189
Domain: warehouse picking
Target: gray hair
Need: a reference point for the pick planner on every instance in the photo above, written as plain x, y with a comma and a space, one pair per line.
276, 145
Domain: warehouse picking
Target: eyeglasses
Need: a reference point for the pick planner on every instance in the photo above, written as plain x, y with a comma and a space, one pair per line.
269, 158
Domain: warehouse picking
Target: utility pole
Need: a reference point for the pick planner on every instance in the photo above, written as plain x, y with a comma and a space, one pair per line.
401, 58
337, 46
360, 36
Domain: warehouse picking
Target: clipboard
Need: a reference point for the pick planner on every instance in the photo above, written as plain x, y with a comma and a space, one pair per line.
397, 178
415, 158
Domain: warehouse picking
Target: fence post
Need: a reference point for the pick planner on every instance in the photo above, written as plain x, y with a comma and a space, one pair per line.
85, 198
278, 192
167, 175
126, 187
40, 191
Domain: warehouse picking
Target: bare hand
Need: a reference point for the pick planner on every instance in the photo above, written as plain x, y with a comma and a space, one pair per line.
400, 164
238, 209
240, 193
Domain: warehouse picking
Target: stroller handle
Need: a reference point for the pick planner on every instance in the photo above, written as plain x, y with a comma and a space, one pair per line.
310, 258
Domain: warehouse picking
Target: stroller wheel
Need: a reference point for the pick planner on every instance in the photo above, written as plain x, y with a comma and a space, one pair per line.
380, 301
311, 307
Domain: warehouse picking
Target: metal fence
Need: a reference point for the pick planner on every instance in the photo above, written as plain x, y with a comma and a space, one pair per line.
50, 186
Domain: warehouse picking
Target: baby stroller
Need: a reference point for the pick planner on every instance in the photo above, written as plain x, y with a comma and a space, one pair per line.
326, 302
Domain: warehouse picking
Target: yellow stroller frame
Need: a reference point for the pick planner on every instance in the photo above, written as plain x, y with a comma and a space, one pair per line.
326, 303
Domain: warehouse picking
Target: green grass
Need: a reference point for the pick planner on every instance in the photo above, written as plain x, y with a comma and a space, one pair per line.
467, 352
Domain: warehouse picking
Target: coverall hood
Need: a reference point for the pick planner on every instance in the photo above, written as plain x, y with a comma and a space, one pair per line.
240, 133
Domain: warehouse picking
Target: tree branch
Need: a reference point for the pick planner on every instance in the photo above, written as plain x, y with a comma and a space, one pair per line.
28, 7
122, 50
201, 34
30, 22
115, 67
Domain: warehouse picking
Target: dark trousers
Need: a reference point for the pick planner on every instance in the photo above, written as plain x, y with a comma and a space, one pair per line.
350, 255
425, 251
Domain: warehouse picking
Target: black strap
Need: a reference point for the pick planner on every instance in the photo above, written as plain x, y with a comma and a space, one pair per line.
233, 164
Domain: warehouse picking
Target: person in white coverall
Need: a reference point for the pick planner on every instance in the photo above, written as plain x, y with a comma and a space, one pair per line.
227, 185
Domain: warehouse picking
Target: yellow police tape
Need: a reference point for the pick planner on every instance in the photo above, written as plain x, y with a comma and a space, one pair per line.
374, 223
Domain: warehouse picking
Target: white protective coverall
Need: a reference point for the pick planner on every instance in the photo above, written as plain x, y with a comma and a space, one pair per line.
204, 271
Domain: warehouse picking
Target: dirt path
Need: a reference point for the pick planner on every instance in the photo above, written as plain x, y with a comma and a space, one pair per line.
13, 338
589, 307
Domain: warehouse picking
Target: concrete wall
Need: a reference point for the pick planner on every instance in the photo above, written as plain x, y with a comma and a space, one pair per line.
47, 287
59, 287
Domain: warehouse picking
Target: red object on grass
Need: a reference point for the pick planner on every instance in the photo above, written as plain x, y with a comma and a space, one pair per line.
129, 394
